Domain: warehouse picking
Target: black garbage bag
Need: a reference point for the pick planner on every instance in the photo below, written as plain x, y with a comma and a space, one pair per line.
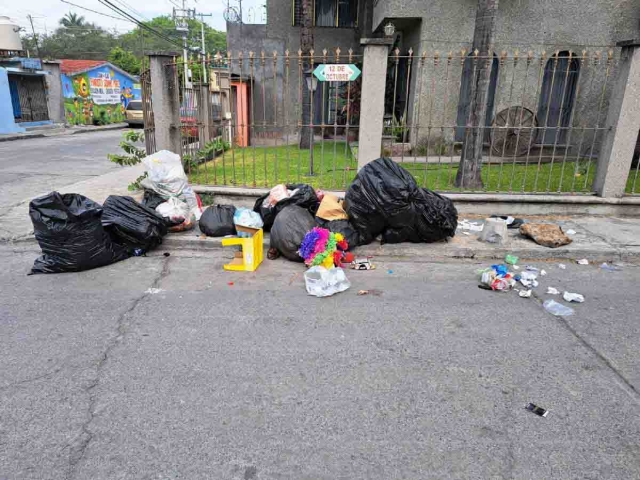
289, 229
151, 199
385, 199
305, 198
217, 221
131, 224
70, 234
341, 226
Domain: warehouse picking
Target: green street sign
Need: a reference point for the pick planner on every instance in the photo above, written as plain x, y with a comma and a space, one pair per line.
336, 72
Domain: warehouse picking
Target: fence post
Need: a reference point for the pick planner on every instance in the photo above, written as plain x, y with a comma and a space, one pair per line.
165, 101
374, 78
204, 110
614, 161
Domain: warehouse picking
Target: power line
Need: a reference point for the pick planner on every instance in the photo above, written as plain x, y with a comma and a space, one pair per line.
95, 11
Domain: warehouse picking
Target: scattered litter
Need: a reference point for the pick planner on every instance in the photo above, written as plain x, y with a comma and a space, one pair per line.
557, 309
511, 222
495, 231
243, 217
547, 235
541, 412
390, 271
322, 282
166, 254
543, 273
500, 269
570, 232
153, 291
573, 297
511, 259
562, 266
230, 284
374, 292
466, 233
138, 252
610, 268
362, 264
584, 261
531, 269
516, 267
552, 291
525, 293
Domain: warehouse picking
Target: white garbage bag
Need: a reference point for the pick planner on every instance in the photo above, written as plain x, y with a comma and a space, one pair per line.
321, 282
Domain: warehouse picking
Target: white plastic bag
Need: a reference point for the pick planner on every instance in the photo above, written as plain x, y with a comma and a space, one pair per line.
245, 217
174, 209
557, 309
321, 282
165, 174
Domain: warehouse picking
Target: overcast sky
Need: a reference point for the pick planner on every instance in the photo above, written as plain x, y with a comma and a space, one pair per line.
47, 13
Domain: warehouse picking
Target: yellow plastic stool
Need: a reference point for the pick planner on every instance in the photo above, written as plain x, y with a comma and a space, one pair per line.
251, 255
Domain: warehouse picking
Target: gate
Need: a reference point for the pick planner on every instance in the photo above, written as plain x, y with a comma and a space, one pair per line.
28, 98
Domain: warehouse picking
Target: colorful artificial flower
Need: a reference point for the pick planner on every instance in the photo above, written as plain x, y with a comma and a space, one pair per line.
322, 247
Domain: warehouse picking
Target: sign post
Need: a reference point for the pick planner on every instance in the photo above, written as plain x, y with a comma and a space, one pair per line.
337, 72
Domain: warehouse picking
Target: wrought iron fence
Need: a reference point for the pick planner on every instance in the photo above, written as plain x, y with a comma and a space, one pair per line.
147, 113
246, 125
256, 119
544, 118
633, 186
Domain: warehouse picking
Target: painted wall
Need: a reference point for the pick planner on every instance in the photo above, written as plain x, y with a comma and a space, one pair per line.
7, 122
54, 91
99, 96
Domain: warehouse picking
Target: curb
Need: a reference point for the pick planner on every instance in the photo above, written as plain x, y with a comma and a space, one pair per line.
22, 137
27, 136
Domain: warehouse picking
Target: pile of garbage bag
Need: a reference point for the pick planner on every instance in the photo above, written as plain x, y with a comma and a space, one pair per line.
281, 196
384, 199
217, 221
75, 233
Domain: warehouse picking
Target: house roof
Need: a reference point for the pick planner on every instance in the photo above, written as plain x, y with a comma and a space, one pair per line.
68, 66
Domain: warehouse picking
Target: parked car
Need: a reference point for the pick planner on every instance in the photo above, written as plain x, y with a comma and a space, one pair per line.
133, 113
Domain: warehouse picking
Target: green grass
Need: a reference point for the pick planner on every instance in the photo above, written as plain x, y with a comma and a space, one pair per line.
267, 166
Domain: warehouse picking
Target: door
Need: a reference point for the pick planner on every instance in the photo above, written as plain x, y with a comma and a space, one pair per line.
464, 103
557, 95
15, 98
32, 98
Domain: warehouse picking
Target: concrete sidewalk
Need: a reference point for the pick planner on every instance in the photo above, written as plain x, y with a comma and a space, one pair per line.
54, 132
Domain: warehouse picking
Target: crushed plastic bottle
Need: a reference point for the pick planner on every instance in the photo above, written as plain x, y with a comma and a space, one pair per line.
321, 282
557, 309
552, 291
610, 268
573, 297
583, 261
511, 259
525, 293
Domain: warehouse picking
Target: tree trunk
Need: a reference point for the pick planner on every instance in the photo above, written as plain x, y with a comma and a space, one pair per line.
469, 172
306, 45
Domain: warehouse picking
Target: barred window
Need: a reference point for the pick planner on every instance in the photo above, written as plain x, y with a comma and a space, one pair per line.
329, 13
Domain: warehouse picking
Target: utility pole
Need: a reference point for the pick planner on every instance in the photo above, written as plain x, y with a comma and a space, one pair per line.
180, 20
204, 48
35, 38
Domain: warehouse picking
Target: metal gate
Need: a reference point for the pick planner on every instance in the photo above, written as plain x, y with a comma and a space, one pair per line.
147, 113
28, 98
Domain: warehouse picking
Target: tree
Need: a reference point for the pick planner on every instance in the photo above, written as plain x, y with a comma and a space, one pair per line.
306, 45
470, 169
125, 59
72, 20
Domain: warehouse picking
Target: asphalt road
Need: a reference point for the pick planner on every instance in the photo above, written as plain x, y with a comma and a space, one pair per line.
39, 165
101, 379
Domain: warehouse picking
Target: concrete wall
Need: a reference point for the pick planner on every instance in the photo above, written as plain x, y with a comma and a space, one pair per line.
55, 97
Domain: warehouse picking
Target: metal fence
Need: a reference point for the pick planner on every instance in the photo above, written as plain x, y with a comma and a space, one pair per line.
246, 126
243, 119
544, 123
147, 113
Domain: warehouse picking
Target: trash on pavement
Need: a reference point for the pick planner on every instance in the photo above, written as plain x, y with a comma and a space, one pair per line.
562, 266
244, 217
570, 232
531, 268
497, 278
552, 291
362, 264
322, 282
372, 291
541, 412
467, 225
515, 267
301, 195
511, 221
217, 221
289, 229
557, 309
529, 275
583, 261
71, 235
511, 259
151, 199
545, 234
178, 214
543, 273
573, 297
525, 293
322, 247
610, 267
133, 225
331, 208
252, 252
153, 291
384, 199
166, 177
495, 231
277, 193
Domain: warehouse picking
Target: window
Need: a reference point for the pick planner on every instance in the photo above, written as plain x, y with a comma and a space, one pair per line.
329, 13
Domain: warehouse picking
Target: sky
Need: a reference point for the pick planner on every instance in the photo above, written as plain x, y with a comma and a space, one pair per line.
47, 13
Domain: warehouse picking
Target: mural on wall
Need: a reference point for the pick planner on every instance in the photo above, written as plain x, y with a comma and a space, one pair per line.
99, 96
